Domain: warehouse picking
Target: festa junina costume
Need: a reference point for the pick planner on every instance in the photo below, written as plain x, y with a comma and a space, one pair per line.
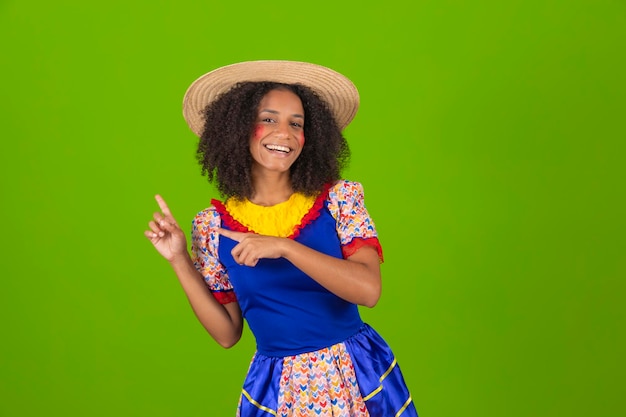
315, 356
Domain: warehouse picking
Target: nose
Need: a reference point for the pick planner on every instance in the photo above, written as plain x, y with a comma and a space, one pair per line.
281, 131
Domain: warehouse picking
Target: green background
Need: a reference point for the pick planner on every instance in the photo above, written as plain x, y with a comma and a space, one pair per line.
490, 142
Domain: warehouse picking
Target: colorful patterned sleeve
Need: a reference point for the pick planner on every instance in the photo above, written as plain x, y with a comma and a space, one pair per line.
355, 227
204, 243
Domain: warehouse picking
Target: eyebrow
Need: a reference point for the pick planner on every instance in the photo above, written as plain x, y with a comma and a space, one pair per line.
275, 112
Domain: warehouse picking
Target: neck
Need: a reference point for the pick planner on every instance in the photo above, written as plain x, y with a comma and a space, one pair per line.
271, 188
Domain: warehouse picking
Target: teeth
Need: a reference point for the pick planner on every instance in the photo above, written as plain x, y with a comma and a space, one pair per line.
278, 148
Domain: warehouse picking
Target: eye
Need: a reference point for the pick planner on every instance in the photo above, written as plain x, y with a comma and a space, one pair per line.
268, 120
296, 124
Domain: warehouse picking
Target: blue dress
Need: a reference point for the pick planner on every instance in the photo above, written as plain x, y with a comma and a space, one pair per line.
315, 356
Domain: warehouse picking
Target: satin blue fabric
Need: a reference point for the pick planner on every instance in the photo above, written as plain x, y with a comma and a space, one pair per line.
378, 375
260, 389
380, 380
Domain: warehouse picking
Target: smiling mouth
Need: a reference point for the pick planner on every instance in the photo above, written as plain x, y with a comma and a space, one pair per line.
278, 148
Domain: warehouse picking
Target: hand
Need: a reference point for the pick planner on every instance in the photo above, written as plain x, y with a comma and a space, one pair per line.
252, 247
165, 234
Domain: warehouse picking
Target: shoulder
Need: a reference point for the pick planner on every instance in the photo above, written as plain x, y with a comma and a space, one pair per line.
206, 219
345, 190
206, 214
345, 198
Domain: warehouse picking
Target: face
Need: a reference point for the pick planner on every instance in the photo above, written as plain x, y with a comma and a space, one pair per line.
278, 135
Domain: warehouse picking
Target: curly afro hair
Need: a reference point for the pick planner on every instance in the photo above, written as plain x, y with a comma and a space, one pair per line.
224, 152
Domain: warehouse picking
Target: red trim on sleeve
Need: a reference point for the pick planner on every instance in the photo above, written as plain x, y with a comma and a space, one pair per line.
225, 297
358, 242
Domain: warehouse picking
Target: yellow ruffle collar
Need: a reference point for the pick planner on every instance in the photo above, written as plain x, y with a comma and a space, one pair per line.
280, 220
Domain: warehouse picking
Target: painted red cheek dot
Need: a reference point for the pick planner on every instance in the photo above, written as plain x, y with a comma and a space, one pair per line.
302, 140
258, 131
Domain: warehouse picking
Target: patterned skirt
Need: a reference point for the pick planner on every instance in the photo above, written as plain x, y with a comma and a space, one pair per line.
356, 378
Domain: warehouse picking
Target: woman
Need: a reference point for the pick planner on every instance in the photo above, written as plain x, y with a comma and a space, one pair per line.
291, 249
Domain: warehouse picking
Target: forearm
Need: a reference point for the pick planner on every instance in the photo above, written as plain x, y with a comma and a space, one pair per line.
356, 279
222, 323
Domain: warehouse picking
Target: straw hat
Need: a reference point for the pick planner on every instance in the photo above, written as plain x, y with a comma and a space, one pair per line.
335, 89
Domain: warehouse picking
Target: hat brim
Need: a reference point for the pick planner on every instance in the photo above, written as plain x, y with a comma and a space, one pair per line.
334, 88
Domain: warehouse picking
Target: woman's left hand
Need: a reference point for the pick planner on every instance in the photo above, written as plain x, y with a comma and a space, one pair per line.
252, 246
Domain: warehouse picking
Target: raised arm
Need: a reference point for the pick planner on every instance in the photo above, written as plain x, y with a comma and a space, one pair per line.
222, 321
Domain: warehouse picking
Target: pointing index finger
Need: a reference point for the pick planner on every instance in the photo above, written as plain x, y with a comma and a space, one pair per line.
236, 236
164, 208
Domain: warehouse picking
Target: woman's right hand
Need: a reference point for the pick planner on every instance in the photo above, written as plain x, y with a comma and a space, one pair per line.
165, 234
